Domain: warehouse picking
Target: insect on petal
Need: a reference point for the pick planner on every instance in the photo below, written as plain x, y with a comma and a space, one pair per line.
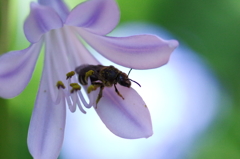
128, 118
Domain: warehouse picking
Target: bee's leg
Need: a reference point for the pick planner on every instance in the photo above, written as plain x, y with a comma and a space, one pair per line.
116, 90
99, 95
87, 75
93, 87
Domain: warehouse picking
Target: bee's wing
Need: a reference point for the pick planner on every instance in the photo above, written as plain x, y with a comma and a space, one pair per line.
85, 68
82, 69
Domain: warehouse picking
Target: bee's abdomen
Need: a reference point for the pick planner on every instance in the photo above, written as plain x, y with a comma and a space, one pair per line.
83, 69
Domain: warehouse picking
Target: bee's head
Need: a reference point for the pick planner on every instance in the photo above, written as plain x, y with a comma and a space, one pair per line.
123, 80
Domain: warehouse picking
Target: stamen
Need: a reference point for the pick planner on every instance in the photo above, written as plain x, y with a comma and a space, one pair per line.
60, 94
68, 86
74, 95
83, 100
69, 102
75, 87
80, 107
74, 100
57, 101
60, 85
70, 74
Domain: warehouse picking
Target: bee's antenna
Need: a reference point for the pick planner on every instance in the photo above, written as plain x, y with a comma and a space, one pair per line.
134, 82
131, 79
129, 71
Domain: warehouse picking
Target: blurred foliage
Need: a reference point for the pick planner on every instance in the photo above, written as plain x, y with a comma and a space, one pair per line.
209, 27
3, 27
15, 113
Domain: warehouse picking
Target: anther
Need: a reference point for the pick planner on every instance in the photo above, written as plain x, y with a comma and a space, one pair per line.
75, 87
60, 85
70, 74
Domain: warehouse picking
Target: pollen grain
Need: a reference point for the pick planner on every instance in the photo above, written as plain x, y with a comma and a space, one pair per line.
70, 74
75, 87
60, 85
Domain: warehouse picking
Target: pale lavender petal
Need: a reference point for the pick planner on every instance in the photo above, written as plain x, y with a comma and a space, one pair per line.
40, 20
128, 118
56, 61
137, 52
46, 130
16, 68
58, 5
78, 53
98, 16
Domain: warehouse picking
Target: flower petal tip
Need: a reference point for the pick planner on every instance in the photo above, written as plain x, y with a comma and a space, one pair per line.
149, 134
33, 4
97, 16
40, 20
128, 118
147, 131
173, 44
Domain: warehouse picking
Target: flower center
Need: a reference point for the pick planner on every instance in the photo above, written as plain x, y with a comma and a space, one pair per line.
72, 95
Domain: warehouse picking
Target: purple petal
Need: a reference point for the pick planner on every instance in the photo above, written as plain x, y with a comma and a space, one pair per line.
16, 68
137, 52
78, 53
58, 5
128, 118
40, 20
46, 130
56, 59
97, 16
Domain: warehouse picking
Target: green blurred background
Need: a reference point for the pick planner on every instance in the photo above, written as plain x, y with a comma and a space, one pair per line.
211, 28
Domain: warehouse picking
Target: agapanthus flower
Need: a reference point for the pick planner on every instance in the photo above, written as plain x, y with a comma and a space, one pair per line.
62, 32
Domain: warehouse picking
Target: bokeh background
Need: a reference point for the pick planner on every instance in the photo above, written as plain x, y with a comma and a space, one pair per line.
210, 28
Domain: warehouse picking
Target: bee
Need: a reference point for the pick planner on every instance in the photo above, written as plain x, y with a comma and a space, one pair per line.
103, 76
